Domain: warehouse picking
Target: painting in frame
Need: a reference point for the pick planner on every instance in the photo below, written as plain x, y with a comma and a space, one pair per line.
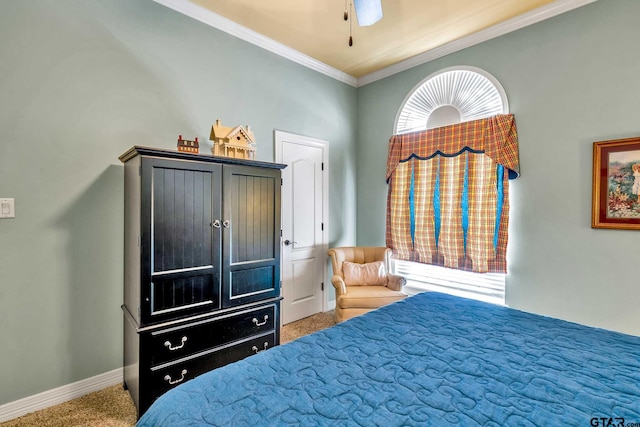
616, 184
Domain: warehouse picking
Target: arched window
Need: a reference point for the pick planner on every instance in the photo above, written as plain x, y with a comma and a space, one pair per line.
450, 96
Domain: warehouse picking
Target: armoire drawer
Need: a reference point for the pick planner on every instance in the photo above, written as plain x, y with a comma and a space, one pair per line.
169, 375
178, 342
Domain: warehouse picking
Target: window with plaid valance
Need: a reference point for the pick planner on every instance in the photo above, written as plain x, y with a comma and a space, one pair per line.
448, 201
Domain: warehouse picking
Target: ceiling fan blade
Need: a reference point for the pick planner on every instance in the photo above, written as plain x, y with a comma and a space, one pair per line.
368, 11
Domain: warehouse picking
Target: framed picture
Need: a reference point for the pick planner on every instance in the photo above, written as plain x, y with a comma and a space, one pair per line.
616, 184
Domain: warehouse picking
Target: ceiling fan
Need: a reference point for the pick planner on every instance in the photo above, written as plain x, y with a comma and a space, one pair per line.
368, 13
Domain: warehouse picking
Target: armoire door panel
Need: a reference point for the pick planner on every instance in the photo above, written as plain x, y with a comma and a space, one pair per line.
251, 260
252, 217
175, 294
182, 214
180, 245
251, 282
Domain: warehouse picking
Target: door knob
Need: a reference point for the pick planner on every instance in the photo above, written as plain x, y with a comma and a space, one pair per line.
289, 242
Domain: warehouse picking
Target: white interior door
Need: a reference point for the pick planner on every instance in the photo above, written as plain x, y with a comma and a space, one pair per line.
304, 226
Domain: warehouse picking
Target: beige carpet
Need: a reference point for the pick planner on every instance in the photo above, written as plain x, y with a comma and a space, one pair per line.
306, 326
112, 406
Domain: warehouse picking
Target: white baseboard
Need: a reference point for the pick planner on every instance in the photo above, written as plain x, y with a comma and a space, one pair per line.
331, 305
59, 395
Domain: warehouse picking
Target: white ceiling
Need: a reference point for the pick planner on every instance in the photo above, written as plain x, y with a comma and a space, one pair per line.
314, 33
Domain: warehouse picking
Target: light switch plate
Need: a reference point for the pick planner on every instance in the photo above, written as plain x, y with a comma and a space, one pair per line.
7, 208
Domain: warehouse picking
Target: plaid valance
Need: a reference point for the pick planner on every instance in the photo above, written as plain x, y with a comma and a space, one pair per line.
448, 201
495, 136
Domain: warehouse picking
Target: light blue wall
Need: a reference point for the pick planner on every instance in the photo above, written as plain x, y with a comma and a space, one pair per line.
80, 83
570, 80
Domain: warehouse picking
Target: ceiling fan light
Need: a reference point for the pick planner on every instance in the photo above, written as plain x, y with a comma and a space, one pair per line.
368, 11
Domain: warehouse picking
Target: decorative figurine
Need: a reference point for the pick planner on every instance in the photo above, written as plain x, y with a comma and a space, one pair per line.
188, 146
236, 142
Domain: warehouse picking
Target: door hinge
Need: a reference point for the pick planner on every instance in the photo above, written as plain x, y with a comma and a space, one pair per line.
322, 165
322, 226
322, 286
280, 233
281, 181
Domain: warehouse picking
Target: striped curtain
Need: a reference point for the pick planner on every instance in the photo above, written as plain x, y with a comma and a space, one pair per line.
448, 201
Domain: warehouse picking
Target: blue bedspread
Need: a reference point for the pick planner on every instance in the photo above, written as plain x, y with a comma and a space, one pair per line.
431, 359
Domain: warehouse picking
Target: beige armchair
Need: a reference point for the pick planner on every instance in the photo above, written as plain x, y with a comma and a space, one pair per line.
363, 283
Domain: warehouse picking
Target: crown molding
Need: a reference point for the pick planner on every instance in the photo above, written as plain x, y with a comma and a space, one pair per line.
212, 19
540, 14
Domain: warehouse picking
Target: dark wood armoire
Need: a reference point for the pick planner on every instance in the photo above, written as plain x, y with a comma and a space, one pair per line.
201, 266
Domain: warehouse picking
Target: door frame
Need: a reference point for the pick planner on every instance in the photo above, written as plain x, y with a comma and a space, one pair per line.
280, 138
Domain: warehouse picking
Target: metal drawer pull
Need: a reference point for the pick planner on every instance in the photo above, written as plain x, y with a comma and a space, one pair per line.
266, 317
255, 349
216, 223
226, 223
168, 378
168, 344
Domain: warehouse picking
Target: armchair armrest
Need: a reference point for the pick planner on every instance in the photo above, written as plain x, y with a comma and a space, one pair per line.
395, 283
338, 283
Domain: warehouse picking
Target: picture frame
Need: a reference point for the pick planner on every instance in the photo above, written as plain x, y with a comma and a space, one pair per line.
616, 184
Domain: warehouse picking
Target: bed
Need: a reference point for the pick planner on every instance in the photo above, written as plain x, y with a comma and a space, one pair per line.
431, 359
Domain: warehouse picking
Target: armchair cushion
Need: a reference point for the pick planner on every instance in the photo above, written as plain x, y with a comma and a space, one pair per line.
371, 273
368, 297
